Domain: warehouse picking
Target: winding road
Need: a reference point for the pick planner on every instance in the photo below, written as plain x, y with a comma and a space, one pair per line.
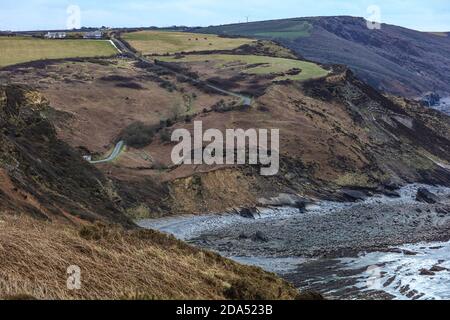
114, 154
246, 101
122, 48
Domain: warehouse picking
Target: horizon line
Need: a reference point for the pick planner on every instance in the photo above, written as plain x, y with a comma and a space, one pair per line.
221, 25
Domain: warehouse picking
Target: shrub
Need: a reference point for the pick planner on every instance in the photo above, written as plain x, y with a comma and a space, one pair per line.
176, 111
130, 85
243, 289
139, 135
165, 135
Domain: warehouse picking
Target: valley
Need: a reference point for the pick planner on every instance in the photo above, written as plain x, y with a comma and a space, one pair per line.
85, 155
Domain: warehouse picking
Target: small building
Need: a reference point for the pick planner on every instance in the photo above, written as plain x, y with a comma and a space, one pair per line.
93, 35
6, 34
55, 35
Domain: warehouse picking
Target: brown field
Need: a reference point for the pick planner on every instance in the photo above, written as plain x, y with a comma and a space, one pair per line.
100, 100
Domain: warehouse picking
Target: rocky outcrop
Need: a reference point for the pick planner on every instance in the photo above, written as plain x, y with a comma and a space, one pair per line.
423, 195
426, 272
286, 200
248, 213
431, 99
353, 195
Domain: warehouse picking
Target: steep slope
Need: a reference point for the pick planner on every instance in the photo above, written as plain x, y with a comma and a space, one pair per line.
393, 59
119, 264
336, 133
57, 211
42, 175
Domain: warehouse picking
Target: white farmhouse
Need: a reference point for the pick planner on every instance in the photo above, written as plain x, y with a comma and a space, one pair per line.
93, 35
56, 35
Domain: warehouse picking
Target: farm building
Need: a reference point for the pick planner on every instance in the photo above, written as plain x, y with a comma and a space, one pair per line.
56, 35
93, 35
6, 34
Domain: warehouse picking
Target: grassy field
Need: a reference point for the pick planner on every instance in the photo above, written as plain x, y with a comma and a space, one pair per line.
266, 65
162, 42
20, 49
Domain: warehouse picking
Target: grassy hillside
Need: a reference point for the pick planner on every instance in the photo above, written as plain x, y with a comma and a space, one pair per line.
162, 42
259, 65
392, 59
119, 264
20, 49
58, 211
275, 29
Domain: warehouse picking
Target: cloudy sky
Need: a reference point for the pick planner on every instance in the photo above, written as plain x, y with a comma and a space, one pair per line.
430, 15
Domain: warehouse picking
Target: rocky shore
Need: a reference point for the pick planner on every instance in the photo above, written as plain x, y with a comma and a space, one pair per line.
307, 245
332, 229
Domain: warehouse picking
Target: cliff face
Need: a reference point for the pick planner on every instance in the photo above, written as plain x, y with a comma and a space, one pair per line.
335, 133
42, 175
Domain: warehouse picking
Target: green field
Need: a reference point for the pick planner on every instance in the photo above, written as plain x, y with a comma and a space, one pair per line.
289, 29
268, 65
14, 50
162, 42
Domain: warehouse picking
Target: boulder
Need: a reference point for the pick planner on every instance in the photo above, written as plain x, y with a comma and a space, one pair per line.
301, 206
425, 272
249, 213
431, 99
391, 193
353, 195
243, 236
260, 237
423, 195
409, 253
286, 200
438, 269
443, 210
388, 190
391, 185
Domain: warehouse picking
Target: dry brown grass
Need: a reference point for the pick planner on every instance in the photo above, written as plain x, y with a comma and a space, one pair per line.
119, 264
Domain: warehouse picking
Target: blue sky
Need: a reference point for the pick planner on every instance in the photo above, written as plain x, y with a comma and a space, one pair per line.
430, 15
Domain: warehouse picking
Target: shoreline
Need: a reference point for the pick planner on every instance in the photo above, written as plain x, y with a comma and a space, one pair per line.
373, 224
333, 247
